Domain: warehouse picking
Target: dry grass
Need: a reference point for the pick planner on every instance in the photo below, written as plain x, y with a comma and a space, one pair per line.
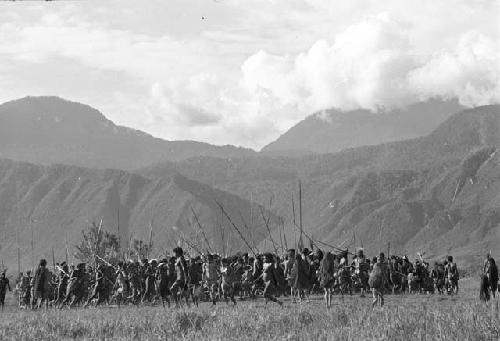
415, 317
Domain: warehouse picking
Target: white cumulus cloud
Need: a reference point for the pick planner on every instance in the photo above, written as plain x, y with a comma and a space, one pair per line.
373, 65
470, 73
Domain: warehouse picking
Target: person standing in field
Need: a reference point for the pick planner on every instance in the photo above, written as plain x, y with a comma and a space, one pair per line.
227, 280
41, 282
121, 285
25, 291
178, 288
378, 279
269, 279
280, 276
162, 282
451, 273
361, 269
326, 277
4, 285
194, 279
149, 281
97, 291
490, 269
211, 277
62, 283
290, 274
300, 275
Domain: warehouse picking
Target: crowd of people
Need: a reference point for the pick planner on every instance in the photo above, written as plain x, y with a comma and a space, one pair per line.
188, 280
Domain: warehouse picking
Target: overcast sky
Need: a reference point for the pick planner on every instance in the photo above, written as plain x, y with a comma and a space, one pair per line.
243, 72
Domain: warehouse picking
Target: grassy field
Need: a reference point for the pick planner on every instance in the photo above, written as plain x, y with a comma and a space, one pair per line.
412, 317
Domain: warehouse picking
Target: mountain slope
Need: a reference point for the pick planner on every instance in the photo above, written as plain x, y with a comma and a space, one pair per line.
49, 130
438, 193
331, 130
59, 201
395, 192
422, 211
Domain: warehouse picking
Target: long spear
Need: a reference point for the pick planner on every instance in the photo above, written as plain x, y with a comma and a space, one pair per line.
236, 228
196, 240
325, 244
62, 270
222, 230
281, 237
96, 246
118, 228
220, 226
53, 259
66, 241
106, 262
18, 252
32, 246
129, 248
300, 204
294, 222
150, 245
284, 235
266, 222
191, 245
202, 231
248, 230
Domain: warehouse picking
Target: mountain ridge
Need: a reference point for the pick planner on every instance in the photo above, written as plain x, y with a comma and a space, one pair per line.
438, 193
48, 130
347, 192
59, 201
332, 130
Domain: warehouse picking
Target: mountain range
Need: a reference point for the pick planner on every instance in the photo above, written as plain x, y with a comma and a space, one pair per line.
437, 193
51, 205
51, 130
393, 193
48, 130
330, 131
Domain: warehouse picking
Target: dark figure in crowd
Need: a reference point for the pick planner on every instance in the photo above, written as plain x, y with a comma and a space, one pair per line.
4, 285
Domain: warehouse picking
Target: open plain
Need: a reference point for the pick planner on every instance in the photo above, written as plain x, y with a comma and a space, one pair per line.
404, 317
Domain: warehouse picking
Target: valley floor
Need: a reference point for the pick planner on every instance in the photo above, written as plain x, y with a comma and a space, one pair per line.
404, 317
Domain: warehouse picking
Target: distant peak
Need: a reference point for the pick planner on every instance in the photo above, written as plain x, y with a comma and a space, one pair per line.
476, 126
54, 108
41, 99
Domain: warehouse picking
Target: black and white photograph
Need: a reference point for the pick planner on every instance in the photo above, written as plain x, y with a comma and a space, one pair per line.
249, 170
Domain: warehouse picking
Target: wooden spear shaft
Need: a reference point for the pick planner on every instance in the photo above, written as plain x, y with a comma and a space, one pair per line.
236, 228
18, 252
300, 207
150, 245
284, 235
202, 230
294, 222
32, 247
249, 232
266, 223
53, 259
67, 251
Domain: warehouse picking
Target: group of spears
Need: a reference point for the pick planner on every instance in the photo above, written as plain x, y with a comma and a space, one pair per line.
183, 280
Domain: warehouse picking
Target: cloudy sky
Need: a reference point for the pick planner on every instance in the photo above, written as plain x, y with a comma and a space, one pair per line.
244, 71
